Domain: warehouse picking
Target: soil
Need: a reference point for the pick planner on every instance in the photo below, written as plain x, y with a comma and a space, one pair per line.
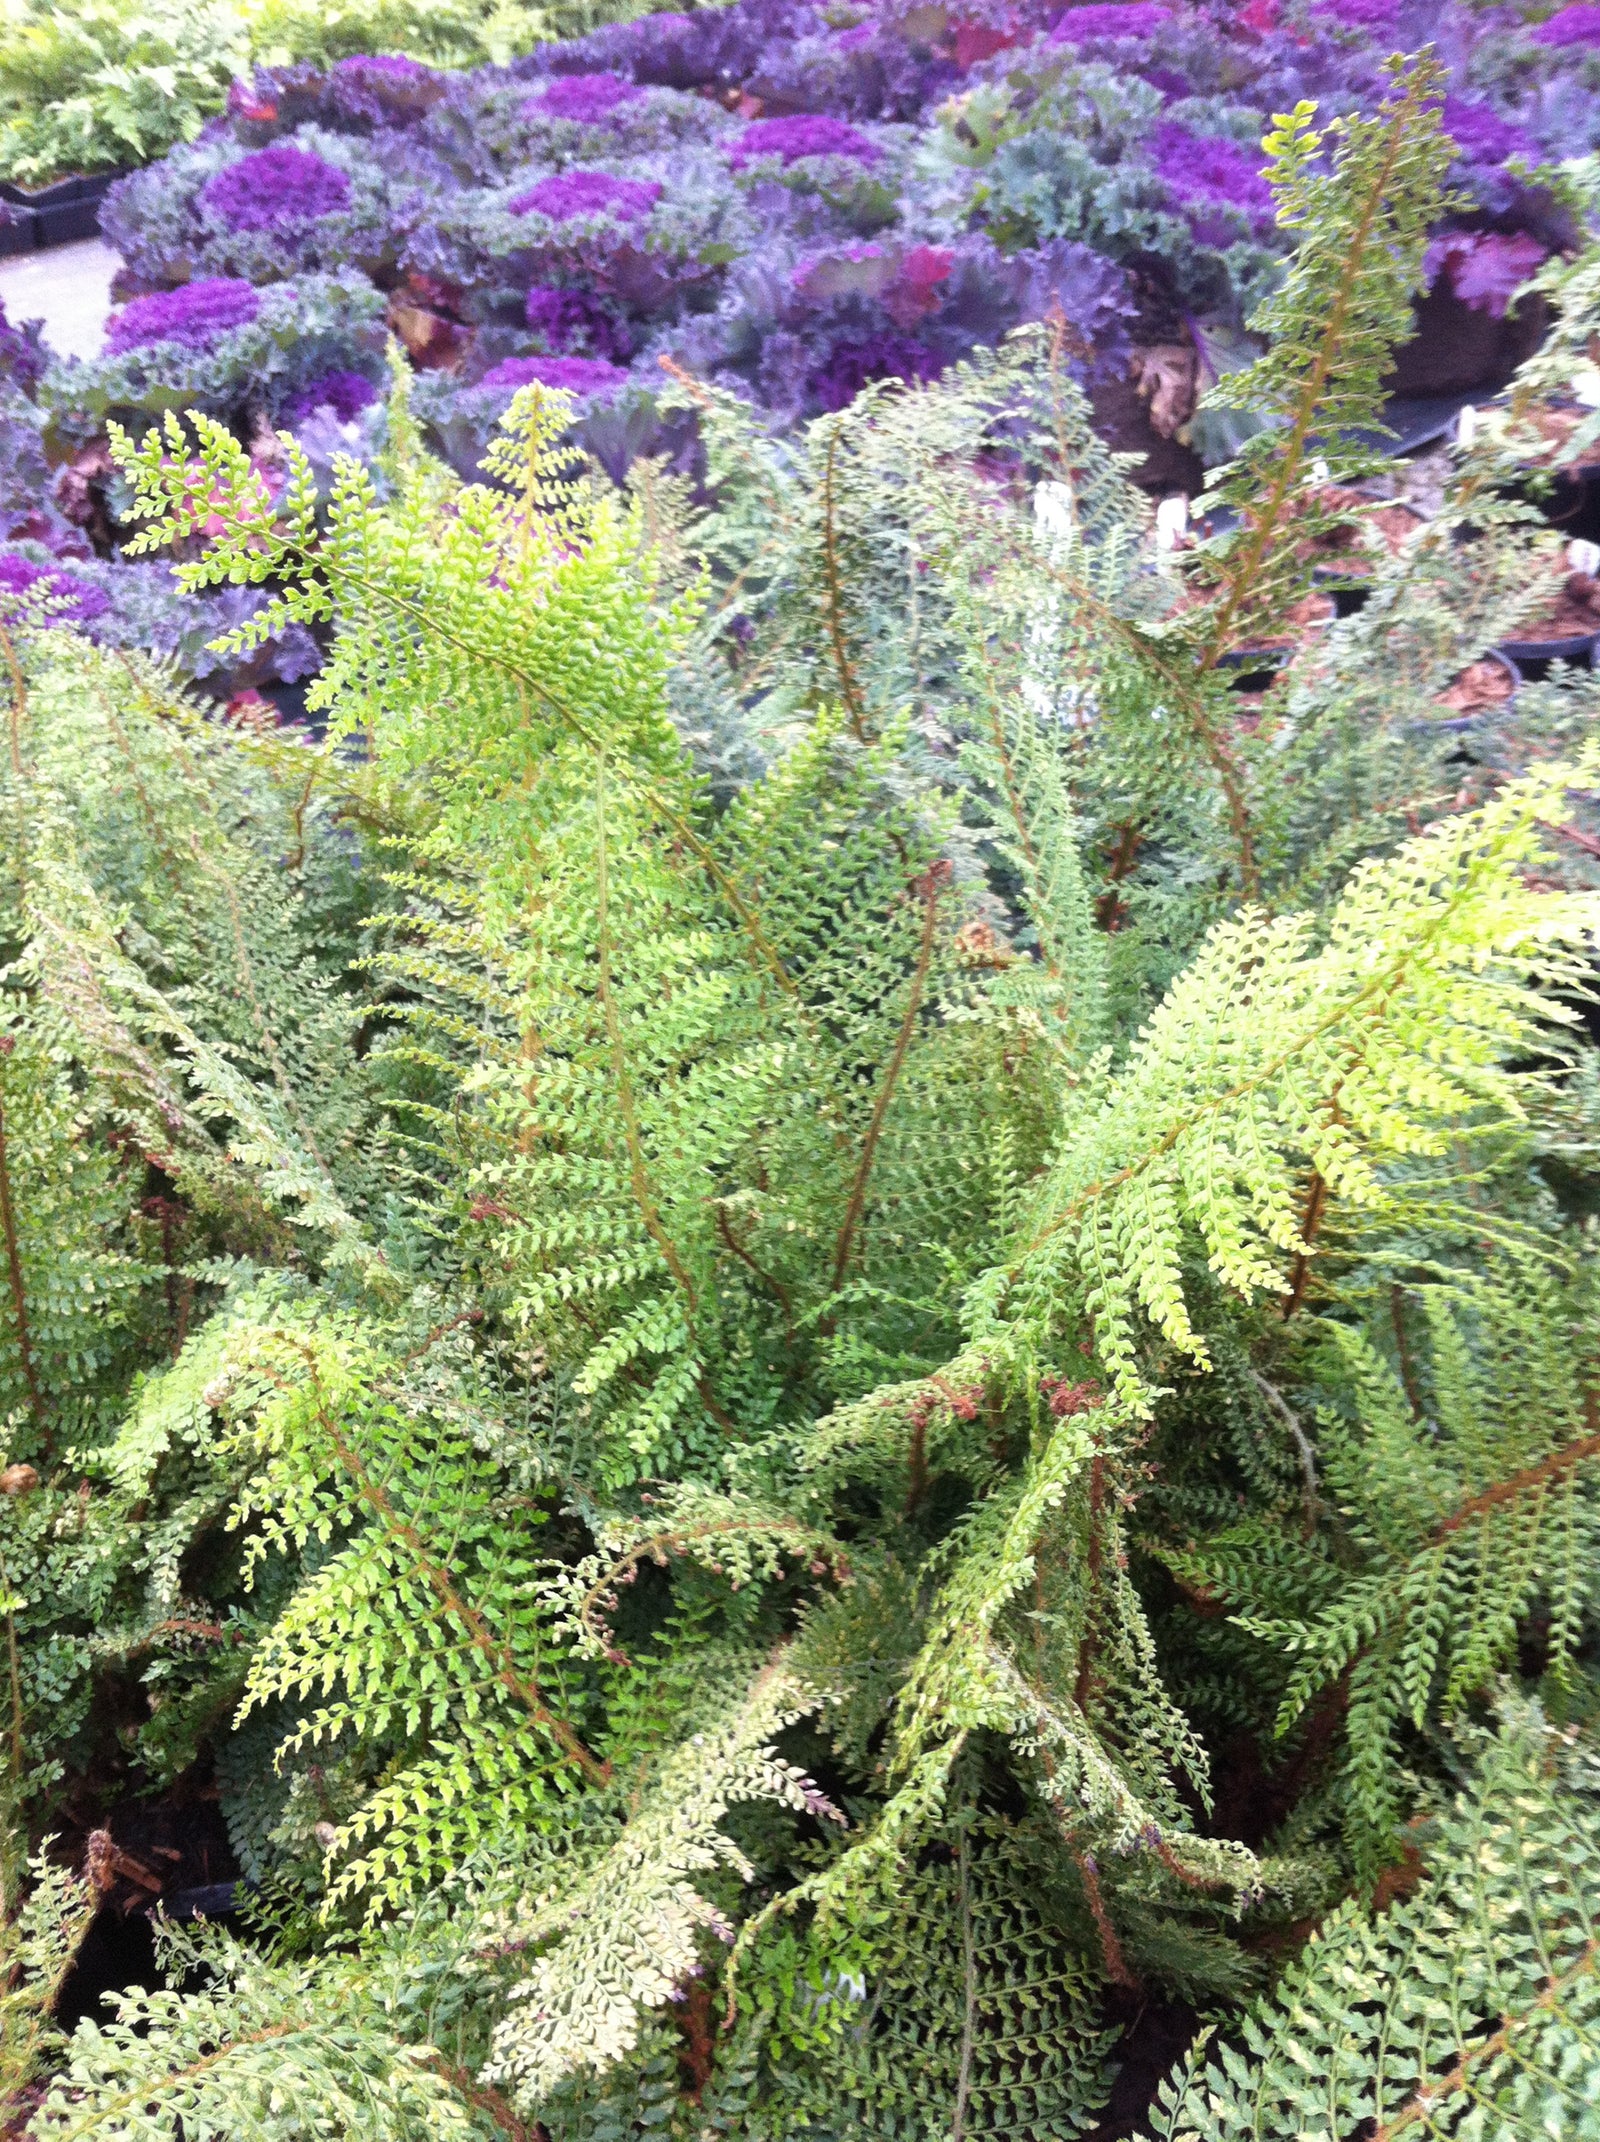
1477, 688
173, 1850
1156, 2034
1574, 612
1555, 427
1457, 350
1389, 524
1123, 421
1307, 620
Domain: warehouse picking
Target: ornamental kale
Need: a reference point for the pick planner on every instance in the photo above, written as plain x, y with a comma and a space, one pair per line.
785, 199
247, 356
275, 189
590, 99
1215, 182
1481, 136
345, 393
1575, 25
710, 188
568, 195
791, 139
1127, 18
573, 375
196, 316
22, 358
55, 597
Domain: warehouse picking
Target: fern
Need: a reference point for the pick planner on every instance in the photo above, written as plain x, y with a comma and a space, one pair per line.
1462, 1489
739, 1343
1469, 2008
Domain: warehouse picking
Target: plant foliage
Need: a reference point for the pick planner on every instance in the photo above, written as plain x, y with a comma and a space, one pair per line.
817, 1321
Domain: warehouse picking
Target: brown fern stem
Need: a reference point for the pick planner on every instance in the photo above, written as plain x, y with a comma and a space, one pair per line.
19, 699
522, 1686
1402, 1347
849, 688
1108, 909
19, 1295
772, 1284
929, 886
1244, 567
1311, 1218
1530, 1477
1117, 1969
1423, 2106
483, 2098
917, 1465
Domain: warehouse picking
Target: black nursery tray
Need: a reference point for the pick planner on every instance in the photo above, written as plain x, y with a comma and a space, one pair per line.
52, 215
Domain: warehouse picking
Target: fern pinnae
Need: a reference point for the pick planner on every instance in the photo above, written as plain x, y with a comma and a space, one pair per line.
1358, 291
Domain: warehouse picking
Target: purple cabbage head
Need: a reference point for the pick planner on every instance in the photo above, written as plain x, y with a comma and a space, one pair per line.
1481, 136
571, 375
77, 601
587, 193
195, 315
1576, 25
564, 317
1133, 18
807, 134
590, 99
275, 189
345, 393
1204, 177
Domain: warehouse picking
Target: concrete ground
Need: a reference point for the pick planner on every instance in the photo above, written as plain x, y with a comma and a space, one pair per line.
68, 287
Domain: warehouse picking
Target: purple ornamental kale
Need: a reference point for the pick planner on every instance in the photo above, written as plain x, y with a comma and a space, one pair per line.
1134, 18
345, 393
22, 361
78, 600
905, 282
1481, 136
564, 317
195, 315
1484, 268
1576, 25
1069, 281
277, 189
587, 193
807, 134
590, 99
572, 375
850, 365
1206, 177
1372, 15
382, 89
714, 47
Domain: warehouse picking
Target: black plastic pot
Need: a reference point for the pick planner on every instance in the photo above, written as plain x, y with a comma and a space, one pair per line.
55, 214
1573, 647
1568, 498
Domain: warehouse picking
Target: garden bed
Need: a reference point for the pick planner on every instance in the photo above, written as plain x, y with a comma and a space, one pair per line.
776, 200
